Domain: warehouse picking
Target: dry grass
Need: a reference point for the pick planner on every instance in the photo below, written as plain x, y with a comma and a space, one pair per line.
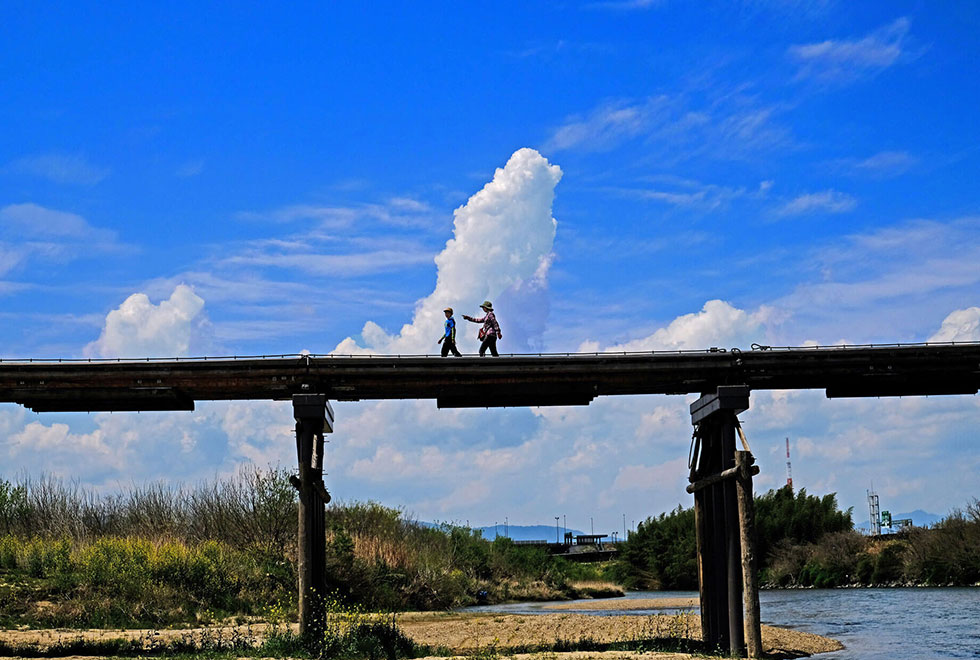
630, 604
596, 589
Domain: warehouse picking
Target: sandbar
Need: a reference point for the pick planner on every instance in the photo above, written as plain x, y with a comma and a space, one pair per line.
628, 604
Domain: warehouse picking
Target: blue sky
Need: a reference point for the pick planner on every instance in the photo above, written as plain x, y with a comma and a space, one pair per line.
266, 180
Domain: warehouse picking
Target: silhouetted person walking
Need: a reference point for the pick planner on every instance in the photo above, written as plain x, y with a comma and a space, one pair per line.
490, 332
448, 340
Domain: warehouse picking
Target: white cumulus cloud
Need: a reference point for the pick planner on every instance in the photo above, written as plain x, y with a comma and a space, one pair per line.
961, 325
717, 324
177, 327
501, 251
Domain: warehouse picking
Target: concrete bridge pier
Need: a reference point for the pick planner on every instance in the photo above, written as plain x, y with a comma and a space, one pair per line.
314, 418
725, 530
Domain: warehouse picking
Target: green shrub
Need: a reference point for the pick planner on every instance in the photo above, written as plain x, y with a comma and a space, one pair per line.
865, 569
9, 547
888, 563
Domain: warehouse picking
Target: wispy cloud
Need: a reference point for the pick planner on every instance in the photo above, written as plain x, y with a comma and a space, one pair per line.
397, 211
35, 221
338, 265
881, 165
690, 194
190, 168
731, 126
33, 231
60, 168
607, 125
625, 5
846, 60
558, 48
827, 201
899, 279
803, 8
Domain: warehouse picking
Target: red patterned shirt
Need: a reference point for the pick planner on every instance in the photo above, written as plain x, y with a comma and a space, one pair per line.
490, 326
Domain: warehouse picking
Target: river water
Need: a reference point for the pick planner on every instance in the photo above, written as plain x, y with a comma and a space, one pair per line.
873, 624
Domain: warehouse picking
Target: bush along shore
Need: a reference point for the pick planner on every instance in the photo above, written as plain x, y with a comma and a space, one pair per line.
165, 556
806, 541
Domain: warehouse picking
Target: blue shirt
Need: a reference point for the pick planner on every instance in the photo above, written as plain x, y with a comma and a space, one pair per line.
450, 329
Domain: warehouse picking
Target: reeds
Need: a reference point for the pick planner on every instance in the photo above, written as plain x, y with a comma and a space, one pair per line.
161, 553
254, 507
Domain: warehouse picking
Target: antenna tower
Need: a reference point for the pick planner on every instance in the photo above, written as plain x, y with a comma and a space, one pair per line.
875, 512
789, 469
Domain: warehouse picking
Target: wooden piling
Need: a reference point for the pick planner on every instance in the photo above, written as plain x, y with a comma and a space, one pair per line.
306, 532
733, 548
717, 518
715, 626
746, 517
314, 417
699, 534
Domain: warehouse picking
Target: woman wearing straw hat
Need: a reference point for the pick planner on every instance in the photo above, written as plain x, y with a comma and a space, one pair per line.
490, 332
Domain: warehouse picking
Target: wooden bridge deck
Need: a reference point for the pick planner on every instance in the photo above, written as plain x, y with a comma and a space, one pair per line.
517, 380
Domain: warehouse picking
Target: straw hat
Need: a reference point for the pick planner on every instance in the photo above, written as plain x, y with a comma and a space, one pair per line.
448, 309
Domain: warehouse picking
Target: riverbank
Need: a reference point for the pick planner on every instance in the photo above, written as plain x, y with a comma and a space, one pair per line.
465, 634
468, 632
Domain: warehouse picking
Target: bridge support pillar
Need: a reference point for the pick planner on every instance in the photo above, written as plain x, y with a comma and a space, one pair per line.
314, 417
723, 535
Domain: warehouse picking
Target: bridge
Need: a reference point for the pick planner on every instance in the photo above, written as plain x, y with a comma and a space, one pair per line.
720, 475
517, 380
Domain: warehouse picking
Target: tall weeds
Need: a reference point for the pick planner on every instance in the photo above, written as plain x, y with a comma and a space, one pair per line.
158, 554
253, 508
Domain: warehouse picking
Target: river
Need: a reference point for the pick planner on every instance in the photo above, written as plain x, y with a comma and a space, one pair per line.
873, 624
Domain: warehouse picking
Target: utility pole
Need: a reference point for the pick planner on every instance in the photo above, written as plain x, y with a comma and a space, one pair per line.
557, 539
625, 535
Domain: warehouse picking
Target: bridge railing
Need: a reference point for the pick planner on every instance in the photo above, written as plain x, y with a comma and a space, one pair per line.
435, 356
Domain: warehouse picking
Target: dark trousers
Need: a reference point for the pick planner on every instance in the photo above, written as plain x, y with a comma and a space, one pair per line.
490, 341
449, 345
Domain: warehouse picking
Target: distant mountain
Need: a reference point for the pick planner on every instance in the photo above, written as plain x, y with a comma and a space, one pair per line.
516, 532
525, 532
919, 518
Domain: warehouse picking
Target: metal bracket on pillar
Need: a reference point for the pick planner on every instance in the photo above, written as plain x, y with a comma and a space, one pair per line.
314, 407
314, 417
734, 398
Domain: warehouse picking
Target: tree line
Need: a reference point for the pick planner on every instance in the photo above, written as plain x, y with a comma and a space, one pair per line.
805, 540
